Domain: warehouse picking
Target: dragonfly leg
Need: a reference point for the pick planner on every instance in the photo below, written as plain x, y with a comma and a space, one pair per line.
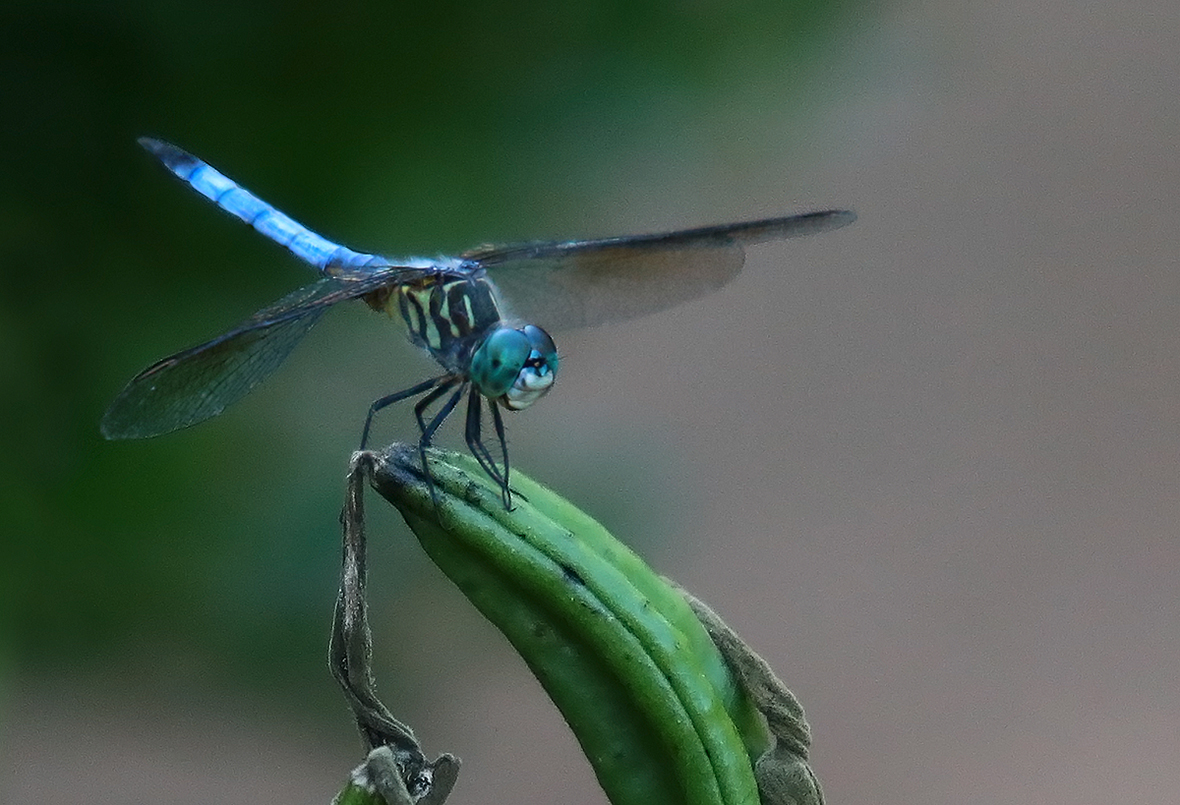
428, 430
433, 390
498, 423
427, 401
474, 435
405, 394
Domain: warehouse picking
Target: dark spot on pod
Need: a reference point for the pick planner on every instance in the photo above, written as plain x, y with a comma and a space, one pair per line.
572, 576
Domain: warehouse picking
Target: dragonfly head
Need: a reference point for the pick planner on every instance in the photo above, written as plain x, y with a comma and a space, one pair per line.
515, 366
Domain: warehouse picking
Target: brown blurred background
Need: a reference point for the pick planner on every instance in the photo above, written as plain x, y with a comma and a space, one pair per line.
927, 465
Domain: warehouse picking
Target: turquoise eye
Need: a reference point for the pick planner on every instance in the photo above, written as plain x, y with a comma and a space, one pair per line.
540, 341
499, 359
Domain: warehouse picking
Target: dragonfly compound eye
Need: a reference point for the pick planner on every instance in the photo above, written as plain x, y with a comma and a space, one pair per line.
536, 376
498, 360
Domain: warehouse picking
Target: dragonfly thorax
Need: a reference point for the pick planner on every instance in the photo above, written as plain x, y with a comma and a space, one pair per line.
515, 366
447, 313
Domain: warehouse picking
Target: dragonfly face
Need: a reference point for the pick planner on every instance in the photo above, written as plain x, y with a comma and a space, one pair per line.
451, 307
515, 366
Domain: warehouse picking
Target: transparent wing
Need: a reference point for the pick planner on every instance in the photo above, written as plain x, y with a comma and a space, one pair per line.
200, 382
586, 282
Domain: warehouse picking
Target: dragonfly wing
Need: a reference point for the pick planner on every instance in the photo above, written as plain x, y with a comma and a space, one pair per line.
200, 382
587, 282
608, 285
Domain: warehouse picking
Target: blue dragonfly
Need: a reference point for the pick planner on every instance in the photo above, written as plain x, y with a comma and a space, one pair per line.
452, 307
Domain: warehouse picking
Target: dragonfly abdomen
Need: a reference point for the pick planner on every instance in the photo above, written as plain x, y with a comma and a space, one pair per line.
265, 218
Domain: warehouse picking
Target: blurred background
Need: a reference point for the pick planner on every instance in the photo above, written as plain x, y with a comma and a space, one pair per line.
927, 465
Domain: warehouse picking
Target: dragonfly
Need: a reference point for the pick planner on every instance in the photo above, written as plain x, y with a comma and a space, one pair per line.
470, 312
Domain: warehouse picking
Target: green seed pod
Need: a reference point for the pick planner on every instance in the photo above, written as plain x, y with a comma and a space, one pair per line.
617, 648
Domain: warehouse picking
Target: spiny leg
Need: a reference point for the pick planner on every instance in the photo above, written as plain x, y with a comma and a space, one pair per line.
429, 430
498, 423
420, 407
434, 389
405, 394
474, 436
429, 400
